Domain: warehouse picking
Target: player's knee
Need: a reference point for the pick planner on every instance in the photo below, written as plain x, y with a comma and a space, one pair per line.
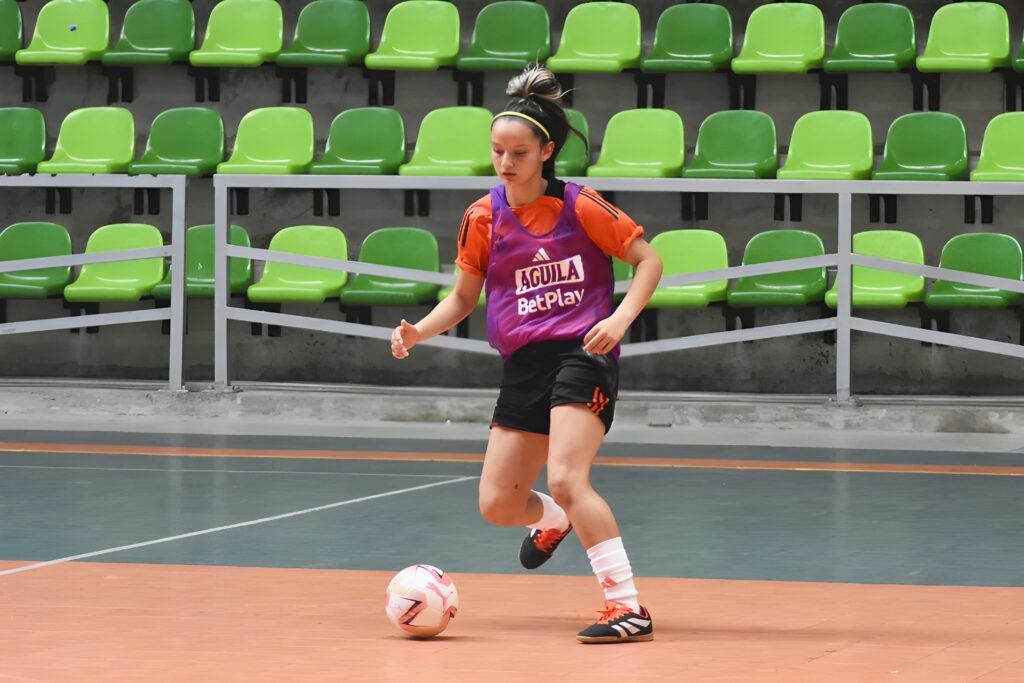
498, 510
564, 487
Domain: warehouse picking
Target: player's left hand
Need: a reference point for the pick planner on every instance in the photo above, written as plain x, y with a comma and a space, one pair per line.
603, 336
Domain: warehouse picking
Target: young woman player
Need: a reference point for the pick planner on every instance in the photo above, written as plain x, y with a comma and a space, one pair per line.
542, 248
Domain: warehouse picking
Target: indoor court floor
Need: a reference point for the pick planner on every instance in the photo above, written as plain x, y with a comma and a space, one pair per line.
252, 557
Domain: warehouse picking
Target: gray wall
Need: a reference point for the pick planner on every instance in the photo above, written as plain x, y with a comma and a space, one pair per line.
795, 365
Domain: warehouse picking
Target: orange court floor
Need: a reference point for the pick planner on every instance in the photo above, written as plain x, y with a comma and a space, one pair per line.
167, 560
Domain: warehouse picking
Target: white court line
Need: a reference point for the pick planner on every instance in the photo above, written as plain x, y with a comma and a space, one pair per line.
158, 469
203, 532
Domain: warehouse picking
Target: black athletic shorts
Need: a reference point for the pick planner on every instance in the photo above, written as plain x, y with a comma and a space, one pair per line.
545, 374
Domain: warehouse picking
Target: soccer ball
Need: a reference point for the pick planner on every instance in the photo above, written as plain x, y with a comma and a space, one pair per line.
420, 600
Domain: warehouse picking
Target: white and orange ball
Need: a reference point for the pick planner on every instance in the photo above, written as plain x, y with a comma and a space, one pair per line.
421, 600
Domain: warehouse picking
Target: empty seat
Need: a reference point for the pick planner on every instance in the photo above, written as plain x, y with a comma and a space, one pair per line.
787, 37
119, 280
1018, 61
366, 141
873, 37
241, 33
22, 140
185, 141
691, 37
924, 146
155, 32
400, 247
877, 288
574, 157
284, 283
735, 144
273, 140
329, 33
986, 253
446, 292
418, 34
34, 240
621, 271
690, 251
599, 37
792, 288
967, 36
1002, 150
829, 145
11, 28
93, 140
641, 143
199, 264
68, 32
508, 36
453, 141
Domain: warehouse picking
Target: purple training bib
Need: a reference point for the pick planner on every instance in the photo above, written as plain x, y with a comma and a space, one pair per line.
544, 287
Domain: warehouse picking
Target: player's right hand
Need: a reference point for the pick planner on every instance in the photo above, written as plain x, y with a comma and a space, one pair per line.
403, 338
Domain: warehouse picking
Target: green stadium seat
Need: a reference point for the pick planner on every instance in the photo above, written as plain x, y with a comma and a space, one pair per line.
691, 37
621, 271
154, 32
241, 33
690, 251
967, 36
793, 288
1002, 150
985, 253
735, 144
329, 33
873, 37
22, 140
272, 140
641, 143
199, 264
787, 37
574, 157
420, 35
924, 146
93, 140
186, 141
452, 141
829, 145
34, 240
446, 292
400, 247
602, 37
285, 283
366, 141
508, 36
68, 32
120, 280
1018, 61
877, 288
11, 37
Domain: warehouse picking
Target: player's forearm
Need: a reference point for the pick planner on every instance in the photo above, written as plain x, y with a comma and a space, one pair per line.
446, 315
645, 281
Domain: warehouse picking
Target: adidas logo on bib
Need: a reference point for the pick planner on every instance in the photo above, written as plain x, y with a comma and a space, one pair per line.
541, 255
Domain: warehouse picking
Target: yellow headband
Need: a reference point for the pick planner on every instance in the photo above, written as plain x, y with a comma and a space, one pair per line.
524, 116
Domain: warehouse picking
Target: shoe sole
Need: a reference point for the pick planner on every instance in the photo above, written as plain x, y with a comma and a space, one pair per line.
614, 639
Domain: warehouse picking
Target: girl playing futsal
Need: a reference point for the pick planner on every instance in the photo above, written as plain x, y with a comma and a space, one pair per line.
542, 249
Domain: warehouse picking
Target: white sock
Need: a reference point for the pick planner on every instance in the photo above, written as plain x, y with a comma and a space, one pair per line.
553, 517
611, 567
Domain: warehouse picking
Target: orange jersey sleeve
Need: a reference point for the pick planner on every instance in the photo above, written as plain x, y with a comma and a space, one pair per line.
474, 243
607, 226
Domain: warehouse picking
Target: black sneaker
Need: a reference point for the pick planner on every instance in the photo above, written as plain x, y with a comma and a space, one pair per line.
619, 624
539, 546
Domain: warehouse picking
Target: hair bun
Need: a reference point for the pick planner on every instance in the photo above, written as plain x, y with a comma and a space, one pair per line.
535, 83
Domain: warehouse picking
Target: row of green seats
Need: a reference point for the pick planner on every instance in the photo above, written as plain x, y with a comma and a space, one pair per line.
596, 37
689, 251
638, 143
682, 251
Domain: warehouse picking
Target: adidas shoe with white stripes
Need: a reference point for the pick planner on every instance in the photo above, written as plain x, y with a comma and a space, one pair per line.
619, 624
